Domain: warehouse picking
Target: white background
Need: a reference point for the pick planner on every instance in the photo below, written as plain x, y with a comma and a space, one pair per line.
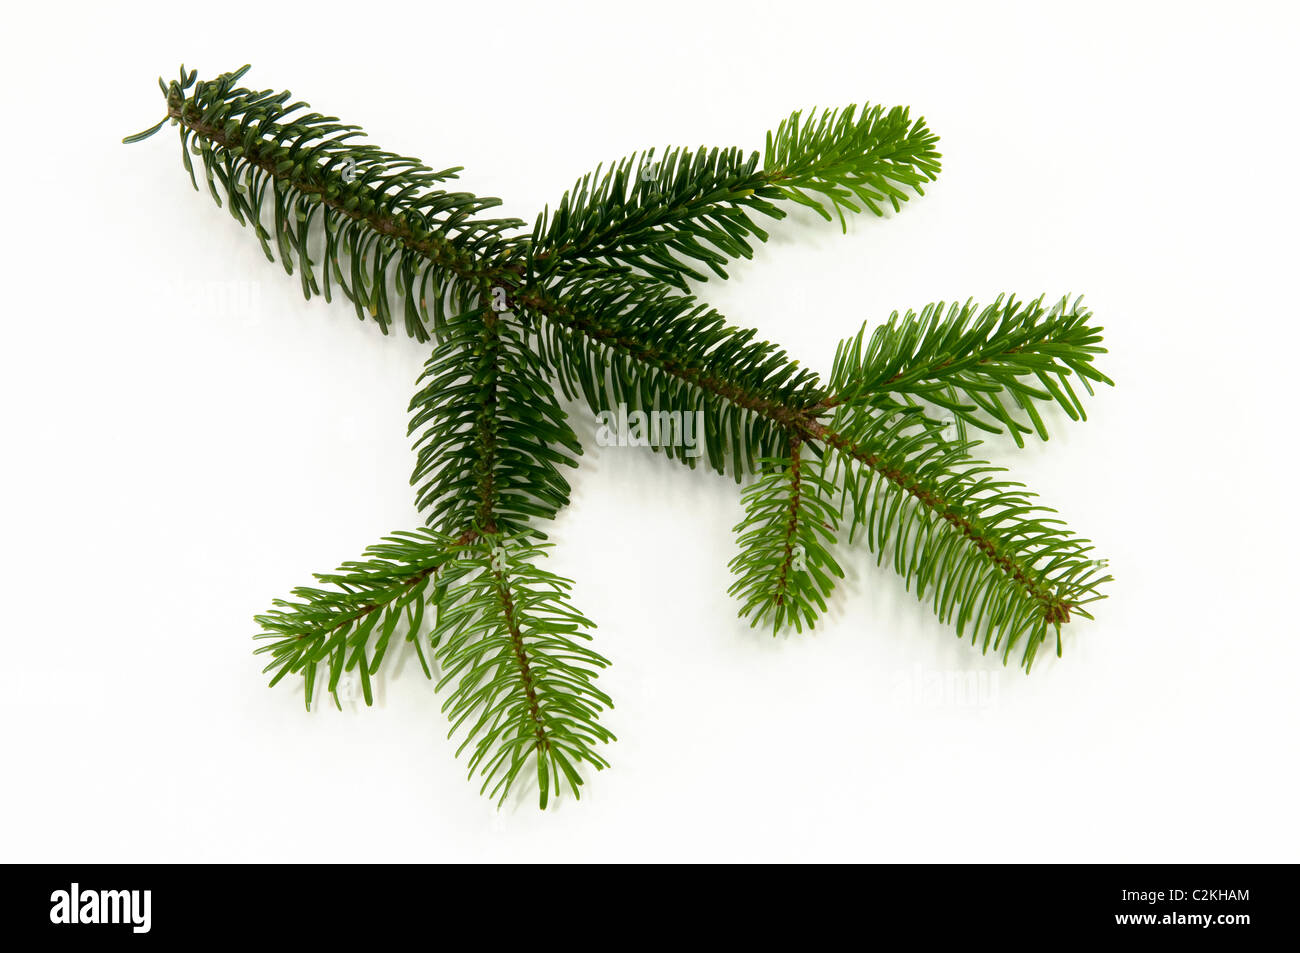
185, 438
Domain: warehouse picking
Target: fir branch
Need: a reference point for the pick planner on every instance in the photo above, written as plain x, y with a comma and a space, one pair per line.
1008, 538
383, 592
380, 213
913, 462
784, 564
506, 640
594, 298
967, 360
506, 635
661, 213
993, 559
524, 694
658, 214
491, 437
845, 157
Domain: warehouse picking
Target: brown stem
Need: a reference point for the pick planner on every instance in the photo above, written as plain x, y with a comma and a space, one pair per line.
792, 526
520, 651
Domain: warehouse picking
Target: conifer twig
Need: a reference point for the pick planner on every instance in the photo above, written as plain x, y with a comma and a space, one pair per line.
596, 298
